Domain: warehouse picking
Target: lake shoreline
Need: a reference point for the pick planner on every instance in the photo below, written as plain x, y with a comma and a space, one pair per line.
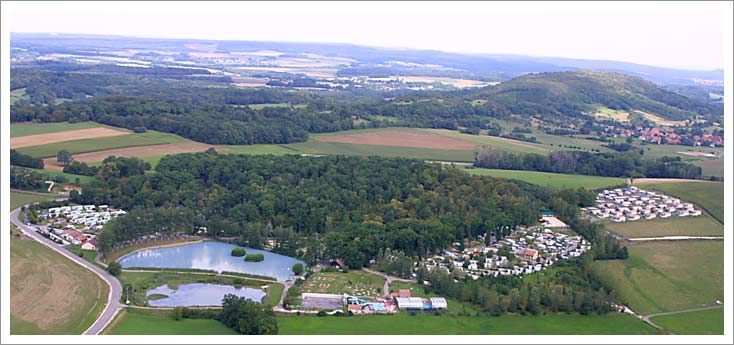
209, 255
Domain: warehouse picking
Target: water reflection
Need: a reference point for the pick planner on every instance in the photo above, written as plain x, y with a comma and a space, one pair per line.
199, 294
211, 255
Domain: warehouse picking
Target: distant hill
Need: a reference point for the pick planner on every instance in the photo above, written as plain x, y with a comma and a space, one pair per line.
569, 93
371, 61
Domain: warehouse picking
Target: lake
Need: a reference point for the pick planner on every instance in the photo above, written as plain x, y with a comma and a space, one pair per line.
199, 294
212, 255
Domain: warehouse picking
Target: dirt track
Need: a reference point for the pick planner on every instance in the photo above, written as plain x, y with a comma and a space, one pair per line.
139, 151
50, 138
663, 180
400, 139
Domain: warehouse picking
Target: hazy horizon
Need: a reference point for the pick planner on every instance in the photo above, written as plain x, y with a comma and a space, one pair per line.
674, 35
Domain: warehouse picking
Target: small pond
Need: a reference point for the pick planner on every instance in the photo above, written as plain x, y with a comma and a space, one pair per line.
199, 294
212, 255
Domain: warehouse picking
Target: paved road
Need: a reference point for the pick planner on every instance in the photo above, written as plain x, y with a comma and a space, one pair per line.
113, 298
675, 238
388, 280
647, 318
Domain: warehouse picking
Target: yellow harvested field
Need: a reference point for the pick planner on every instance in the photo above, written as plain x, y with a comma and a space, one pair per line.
137, 151
56, 137
49, 294
659, 120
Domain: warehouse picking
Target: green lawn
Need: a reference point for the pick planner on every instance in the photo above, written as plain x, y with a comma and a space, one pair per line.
455, 307
141, 282
17, 95
404, 323
565, 143
703, 225
697, 322
133, 322
551, 179
711, 167
104, 143
20, 129
71, 178
667, 276
259, 106
18, 199
708, 195
357, 283
260, 149
324, 148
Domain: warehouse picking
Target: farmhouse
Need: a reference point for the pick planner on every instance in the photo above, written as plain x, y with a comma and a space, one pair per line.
90, 244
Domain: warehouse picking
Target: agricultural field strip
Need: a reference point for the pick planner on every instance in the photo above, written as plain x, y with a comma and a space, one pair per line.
58, 137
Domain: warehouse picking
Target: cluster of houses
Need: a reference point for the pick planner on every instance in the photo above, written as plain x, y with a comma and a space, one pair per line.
658, 135
533, 249
632, 203
70, 237
69, 225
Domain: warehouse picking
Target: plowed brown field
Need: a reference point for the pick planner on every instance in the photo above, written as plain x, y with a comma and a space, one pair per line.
138, 151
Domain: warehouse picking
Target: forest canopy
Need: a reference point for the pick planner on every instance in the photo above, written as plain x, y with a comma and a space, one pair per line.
331, 206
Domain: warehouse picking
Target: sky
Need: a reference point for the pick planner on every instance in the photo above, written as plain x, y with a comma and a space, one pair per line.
681, 35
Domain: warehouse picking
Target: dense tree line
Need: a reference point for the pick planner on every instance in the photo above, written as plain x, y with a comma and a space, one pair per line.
246, 316
621, 164
24, 160
567, 287
334, 206
21, 178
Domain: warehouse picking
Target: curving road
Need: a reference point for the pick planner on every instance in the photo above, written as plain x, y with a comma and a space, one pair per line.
113, 298
648, 318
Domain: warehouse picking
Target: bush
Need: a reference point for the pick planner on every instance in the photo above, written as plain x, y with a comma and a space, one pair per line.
298, 269
178, 313
321, 313
238, 251
254, 257
114, 268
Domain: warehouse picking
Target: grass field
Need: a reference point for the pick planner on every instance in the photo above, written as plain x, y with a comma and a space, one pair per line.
509, 145
551, 179
618, 115
18, 199
134, 322
703, 225
100, 144
455, 307
697, 322
259, 106
667, 276
141, 282
16, 95
356, 283
708, 195
404, 323
260, 149
711, 167
71, 178
20, 129
325, 148
50, 294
